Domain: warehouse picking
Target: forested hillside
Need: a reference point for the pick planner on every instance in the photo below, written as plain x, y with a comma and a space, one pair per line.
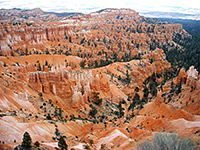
191, 56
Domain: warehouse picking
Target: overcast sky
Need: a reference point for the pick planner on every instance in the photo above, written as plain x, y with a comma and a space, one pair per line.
86, 6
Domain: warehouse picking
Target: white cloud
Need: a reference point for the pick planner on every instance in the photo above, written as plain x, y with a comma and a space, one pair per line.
93, 5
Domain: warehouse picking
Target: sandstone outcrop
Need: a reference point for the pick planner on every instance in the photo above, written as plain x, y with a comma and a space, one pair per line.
28, 37
158, 100
192, 77
181, 76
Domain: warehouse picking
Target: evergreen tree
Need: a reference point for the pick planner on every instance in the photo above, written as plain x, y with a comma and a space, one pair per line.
39, 67
153, 89
12, 54
179, 87
56, 111
48, 117
137, 89
46, 63
57, 133
26, 143
26, 51
121, 112
102, 63
82, 41
96, 63
154, 77
146, 92
60, 112
70, 39
119, 77
82, 64
4, 64
61, 144
37, 144
136, 97
132, 105
128, 77
47, 52
93, 112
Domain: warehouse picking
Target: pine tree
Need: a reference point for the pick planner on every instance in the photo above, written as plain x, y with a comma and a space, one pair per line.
146, 92
154, 91
47, 52
26, 51
82, 64
39, 67
93, 112
179, 87
4, 64
26, 143
60, 112
96, 64
128, 77
37, 144
56, 111
70, 39
61, 144
46, 63
121, 112
137, 89
48, 117
119, 77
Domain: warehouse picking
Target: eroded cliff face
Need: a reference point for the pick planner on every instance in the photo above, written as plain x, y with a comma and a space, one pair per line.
25, 38
188, 98
70, 86
116, 31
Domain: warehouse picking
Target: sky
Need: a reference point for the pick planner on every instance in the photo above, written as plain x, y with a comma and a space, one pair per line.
87, 6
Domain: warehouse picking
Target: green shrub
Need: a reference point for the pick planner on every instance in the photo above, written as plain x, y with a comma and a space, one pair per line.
4, 64
16, 148
26, 143
93, 112
37, 144
40, 94
82, 64
61, 144
48, 117
167, 141
98, 102
91, 142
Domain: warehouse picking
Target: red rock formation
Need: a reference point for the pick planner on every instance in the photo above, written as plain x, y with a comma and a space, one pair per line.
29, 37
158, 100
99, 35
182, 75
60, 98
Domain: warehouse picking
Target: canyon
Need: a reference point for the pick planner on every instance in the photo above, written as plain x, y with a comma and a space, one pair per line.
100, 80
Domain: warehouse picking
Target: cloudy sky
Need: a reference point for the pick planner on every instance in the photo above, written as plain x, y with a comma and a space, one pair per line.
86, 6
